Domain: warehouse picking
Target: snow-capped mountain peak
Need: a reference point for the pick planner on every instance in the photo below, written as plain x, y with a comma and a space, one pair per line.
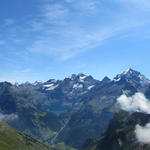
133, 77
79, 77
129, 70
72, 77
38, 82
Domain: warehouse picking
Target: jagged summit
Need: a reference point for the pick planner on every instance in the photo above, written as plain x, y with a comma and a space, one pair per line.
81, 74
38, 82
133, 77
130, 71
80, 77
105, 79
73, 76
130, 75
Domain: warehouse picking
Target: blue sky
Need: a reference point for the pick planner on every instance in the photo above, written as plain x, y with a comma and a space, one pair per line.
43, 39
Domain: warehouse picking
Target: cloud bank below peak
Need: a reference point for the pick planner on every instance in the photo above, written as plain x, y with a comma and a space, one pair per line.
135, 103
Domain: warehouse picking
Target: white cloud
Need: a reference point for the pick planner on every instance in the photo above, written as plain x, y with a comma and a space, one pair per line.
72, 45
135, 103
64, 29
88, 7
8, 117
143, 133
53, 12
72, 27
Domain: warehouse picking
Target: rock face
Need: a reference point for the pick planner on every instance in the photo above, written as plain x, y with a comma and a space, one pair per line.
62, 110
133, 77
120, 134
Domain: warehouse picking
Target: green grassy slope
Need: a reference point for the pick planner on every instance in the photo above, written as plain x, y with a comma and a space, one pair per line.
10, 139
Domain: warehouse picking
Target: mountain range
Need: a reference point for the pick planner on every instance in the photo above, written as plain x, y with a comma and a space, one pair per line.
67, 112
